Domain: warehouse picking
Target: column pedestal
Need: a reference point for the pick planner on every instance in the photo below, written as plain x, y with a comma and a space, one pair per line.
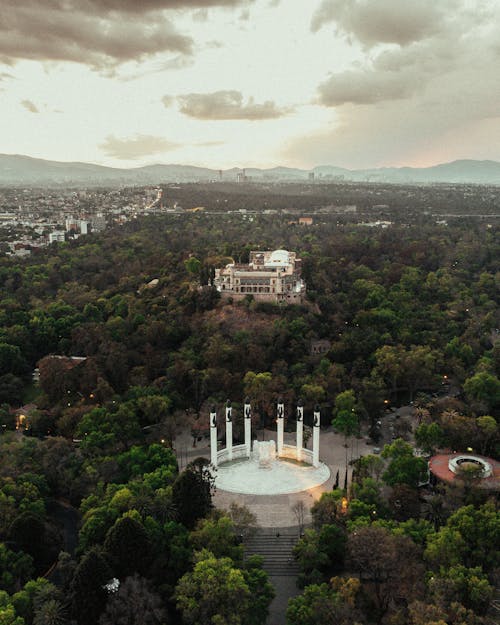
247, 415
229, 431
280, 414
213, 437
316, 426
300, 431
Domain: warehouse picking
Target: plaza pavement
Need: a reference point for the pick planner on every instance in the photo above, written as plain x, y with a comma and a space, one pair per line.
277, 510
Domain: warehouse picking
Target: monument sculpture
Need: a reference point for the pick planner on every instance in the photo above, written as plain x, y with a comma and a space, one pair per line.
264, 467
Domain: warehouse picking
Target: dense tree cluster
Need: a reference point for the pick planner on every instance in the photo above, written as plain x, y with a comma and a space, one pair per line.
132, 342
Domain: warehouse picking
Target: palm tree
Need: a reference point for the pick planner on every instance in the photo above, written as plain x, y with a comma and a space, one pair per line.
52, 612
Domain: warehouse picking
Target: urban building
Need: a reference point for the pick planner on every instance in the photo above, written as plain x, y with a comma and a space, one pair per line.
57, 236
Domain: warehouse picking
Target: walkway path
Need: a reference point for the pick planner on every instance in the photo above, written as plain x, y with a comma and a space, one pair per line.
275, 545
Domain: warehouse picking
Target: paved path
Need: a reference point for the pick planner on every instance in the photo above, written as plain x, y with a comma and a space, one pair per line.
276, 545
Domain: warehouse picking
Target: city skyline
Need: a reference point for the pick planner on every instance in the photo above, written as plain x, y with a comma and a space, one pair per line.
223, 83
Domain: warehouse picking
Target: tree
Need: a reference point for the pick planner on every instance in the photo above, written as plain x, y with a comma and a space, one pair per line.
419, 367
16, 568
243, 519
218, 536
404, 502
320, 554
261, 591
11, 360
88, 593
468, 586
466, 539
483, 387
389, 365
193, 265
260, 389
35, 593
11, 388
325, 604
389, 566
346, 419
134, 602
368, 493
429, 436
214, 593
28, 533
52, 612
327, 509
404, 467
56, 379
488, 431
7, 611
129, 547
299, 510
369, 466
192, 494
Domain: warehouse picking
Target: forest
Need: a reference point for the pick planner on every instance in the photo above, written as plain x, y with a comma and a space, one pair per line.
130, 342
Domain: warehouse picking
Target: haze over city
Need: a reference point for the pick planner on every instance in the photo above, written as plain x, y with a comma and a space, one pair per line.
223, 83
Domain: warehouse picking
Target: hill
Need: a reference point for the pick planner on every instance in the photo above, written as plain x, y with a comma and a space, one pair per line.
25, 170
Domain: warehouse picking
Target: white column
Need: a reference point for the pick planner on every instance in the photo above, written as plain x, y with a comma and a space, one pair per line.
316, 424
247, 415
229, 430
300, 429
280, 414
213, 436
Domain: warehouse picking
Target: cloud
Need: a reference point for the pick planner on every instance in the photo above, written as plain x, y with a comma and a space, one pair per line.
208, 144
168, 100
29, 106
407, 104
135, 147
98, 33
366, 87
227, 105
398, 73
381, 21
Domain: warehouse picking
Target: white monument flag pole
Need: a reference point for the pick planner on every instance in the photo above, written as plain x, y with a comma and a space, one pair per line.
280, 413
213, 436
316, 425
247, 411
300, 429
229, 431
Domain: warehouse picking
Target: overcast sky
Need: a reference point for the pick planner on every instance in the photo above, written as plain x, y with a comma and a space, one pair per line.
222, 83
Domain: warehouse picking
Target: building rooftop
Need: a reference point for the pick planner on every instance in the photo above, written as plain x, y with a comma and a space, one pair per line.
444, 467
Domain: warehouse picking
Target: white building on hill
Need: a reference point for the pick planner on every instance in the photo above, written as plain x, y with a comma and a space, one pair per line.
269, 276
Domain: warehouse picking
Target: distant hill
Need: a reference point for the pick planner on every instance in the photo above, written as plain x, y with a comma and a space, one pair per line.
24, 170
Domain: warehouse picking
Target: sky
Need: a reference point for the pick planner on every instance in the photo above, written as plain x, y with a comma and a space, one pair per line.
251, 83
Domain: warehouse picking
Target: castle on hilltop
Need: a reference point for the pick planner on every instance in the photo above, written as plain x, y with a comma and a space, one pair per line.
271, 276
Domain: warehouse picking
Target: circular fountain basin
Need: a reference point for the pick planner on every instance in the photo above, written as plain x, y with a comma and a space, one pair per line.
279, 477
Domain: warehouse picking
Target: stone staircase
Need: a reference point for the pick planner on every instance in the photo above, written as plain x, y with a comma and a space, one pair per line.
275, 546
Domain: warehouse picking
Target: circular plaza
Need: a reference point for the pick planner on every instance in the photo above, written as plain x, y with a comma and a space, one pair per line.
281, 477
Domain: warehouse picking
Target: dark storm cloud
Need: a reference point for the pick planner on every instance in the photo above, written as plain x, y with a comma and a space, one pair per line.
135, 147
380, 21
99, 33
227, 105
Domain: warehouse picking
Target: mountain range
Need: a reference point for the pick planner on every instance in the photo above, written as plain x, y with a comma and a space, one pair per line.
25, 170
